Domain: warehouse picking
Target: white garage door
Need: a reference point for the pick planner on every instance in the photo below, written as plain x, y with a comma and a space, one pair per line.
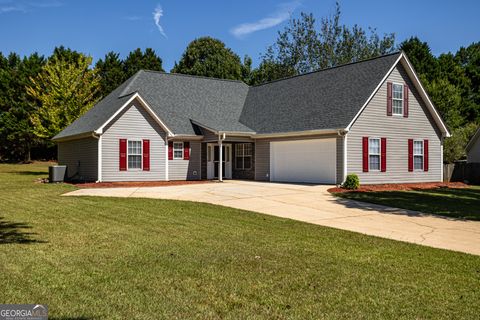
311, 161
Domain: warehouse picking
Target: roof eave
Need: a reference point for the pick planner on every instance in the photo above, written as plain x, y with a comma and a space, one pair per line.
436, 115
73, 137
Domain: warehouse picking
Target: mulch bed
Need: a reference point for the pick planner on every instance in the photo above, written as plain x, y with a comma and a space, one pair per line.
137, 184
401, 187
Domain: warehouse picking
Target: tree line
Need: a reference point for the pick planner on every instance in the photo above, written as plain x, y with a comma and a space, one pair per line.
40, 96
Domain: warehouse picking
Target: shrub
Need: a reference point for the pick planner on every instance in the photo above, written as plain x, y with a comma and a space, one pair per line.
352, 182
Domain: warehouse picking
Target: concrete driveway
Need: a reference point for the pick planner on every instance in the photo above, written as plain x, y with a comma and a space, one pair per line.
313, 204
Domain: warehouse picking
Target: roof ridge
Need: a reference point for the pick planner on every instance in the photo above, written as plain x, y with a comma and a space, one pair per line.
129, 81
329, 68
192, 76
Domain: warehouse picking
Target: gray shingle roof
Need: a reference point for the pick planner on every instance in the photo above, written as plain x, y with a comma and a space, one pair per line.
325, 99
98, 115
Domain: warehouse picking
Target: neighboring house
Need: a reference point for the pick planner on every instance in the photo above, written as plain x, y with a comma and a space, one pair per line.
473, 148
372, 118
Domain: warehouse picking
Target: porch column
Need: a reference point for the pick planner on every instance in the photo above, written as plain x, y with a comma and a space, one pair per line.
220, 164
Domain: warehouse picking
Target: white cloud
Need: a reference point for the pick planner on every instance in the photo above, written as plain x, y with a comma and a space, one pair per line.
157, 14
7, 9
282, 14
7, 6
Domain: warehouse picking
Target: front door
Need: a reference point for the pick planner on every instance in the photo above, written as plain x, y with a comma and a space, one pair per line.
213, 161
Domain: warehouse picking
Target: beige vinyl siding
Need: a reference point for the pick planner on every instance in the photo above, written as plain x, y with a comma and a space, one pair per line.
473, 154
262, 160
262, 155
81, 158
186, 169
374, 122
133, 123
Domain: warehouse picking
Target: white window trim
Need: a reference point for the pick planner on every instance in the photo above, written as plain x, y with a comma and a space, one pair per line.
173, 146
243, 156
418, 155
141, 155
402, 100
375, 154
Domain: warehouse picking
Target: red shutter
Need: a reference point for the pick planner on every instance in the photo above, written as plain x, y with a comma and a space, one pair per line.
170, 150
389, 98
365, 153
425, 155
146, 155
405, 101
123, 154
186, 151
383, 160
410, 154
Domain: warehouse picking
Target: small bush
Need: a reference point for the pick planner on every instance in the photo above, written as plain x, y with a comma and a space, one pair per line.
352, 182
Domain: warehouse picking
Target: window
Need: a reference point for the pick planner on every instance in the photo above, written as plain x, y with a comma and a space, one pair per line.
178, 150
397, 99
243, 156
209, 153
134, 154
418, 155
374, 154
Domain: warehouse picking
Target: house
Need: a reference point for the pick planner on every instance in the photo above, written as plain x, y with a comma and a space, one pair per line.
372, 118
473, 148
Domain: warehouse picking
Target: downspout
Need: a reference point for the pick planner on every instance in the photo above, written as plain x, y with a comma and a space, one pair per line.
343, 134
166, 157
442, 178
99, 159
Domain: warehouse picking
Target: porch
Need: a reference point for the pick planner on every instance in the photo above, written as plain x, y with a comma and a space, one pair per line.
228, 159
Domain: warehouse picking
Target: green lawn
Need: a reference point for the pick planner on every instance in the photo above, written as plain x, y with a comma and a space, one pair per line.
456, 203
111, 258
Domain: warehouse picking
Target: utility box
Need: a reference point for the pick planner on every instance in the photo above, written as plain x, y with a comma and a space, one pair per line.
56, 173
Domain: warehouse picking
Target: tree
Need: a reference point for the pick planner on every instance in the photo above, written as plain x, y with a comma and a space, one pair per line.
454, 147
66, 90
138, 60
304, 47
469, 60
247, 69
421, 57
448, 99
111, 73
210, 57
268, 71
16, 131
297, 47
66, 54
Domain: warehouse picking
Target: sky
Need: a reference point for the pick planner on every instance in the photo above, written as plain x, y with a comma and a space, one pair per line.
247, 27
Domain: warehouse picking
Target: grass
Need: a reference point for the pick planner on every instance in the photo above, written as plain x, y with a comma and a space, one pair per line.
112, 258
454, 203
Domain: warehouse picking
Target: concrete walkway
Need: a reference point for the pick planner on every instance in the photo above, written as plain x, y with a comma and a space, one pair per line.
313, 204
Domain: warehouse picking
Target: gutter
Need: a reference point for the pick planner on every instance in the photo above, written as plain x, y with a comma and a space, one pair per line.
297, 134
74, 137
